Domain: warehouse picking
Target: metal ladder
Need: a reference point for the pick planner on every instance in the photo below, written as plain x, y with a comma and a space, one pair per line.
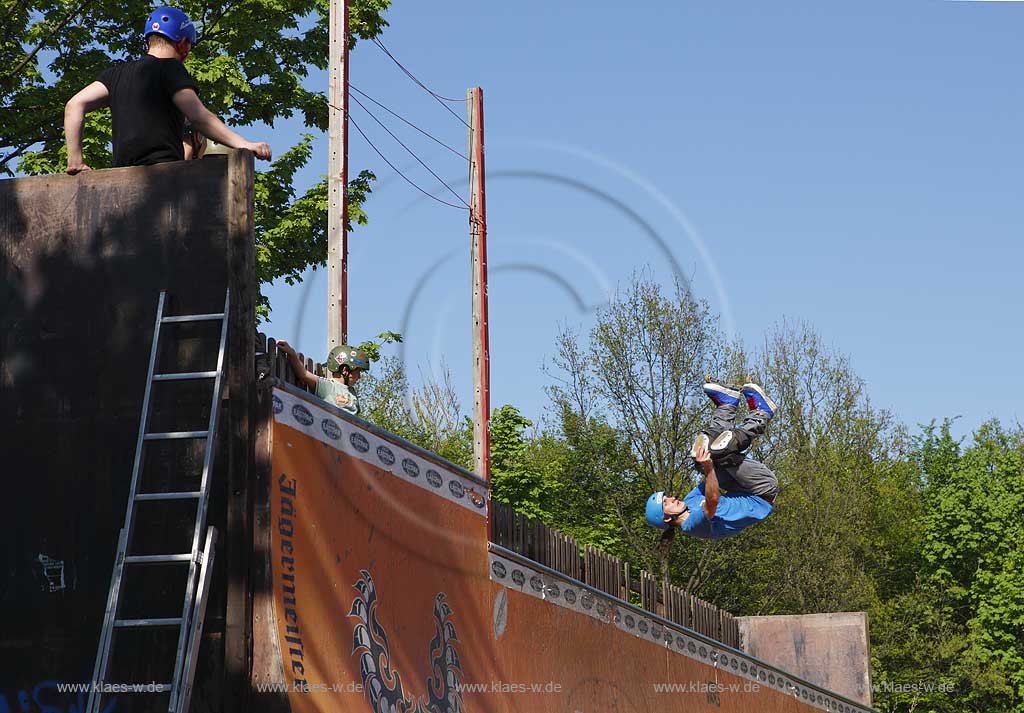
199, 560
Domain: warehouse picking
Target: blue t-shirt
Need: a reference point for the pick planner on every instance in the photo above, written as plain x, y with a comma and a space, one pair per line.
735, 512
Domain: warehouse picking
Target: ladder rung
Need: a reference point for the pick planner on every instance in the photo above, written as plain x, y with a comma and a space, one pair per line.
168, 496
194, 318
158, 559
184, 375
173, 435
125, 623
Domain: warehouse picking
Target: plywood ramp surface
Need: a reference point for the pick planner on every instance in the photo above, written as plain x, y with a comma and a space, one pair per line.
384, 594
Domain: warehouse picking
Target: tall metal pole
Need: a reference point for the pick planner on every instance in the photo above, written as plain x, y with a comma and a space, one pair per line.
337, 178
478, 236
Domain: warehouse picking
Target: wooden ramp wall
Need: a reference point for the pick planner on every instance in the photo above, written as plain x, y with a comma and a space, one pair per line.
377, 590
82, 260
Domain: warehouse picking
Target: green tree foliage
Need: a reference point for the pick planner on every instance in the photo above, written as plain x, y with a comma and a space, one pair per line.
846, 496
515, 479
966, 614
626, 406
372, 347
429, 416
291, 230
250, 64
590, 481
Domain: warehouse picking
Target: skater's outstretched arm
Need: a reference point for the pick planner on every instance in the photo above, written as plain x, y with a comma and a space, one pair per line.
712, 494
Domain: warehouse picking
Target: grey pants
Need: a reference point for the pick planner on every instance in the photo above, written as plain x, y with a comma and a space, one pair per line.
736, 472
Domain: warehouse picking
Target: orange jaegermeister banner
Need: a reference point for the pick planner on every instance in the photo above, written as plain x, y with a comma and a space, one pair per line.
387, 598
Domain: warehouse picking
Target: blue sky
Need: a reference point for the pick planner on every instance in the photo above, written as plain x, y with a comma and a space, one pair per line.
855, 166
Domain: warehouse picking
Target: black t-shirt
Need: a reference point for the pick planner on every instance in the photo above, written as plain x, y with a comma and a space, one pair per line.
147, 125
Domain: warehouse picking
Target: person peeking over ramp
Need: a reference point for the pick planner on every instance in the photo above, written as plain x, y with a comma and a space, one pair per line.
719, 451
345, 364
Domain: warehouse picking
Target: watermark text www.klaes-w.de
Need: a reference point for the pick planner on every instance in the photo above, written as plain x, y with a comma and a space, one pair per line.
104, 687
509, 687
306, 687
706, 687
482, 687
914, 687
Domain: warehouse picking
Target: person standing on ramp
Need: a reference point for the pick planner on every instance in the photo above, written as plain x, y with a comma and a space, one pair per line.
150, 98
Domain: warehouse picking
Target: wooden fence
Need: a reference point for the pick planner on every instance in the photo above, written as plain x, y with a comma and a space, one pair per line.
538, 542
273, 363
609, 574
560, 552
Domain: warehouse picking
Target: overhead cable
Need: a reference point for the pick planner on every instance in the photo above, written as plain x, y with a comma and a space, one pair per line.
440, 99
403, 119
410, 151
395, 169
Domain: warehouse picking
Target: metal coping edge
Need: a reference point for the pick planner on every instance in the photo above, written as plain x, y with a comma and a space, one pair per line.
273, 382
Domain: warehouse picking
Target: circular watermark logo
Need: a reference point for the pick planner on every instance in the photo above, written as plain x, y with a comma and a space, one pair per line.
642, 226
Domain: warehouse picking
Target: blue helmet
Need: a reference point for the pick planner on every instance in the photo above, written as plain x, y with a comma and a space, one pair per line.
655, 513
172, 23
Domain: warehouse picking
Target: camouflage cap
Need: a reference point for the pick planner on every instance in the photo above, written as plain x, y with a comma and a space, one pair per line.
346, 355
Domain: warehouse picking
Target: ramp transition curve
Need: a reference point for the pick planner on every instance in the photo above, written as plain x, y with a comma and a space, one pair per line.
383, 593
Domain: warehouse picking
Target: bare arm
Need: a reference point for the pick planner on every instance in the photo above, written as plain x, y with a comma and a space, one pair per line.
309, 379
92, 97
210, 126
712, 494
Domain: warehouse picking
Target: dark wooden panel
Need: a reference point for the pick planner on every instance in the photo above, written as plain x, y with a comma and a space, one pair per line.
82, 260
241, 382
267, 668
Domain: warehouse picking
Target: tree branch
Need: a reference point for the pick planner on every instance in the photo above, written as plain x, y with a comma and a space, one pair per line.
10, 13
206, 32
14, 154
49, 35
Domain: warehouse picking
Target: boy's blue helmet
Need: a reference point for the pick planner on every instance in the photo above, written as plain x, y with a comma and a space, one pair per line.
172, 23
655, 512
